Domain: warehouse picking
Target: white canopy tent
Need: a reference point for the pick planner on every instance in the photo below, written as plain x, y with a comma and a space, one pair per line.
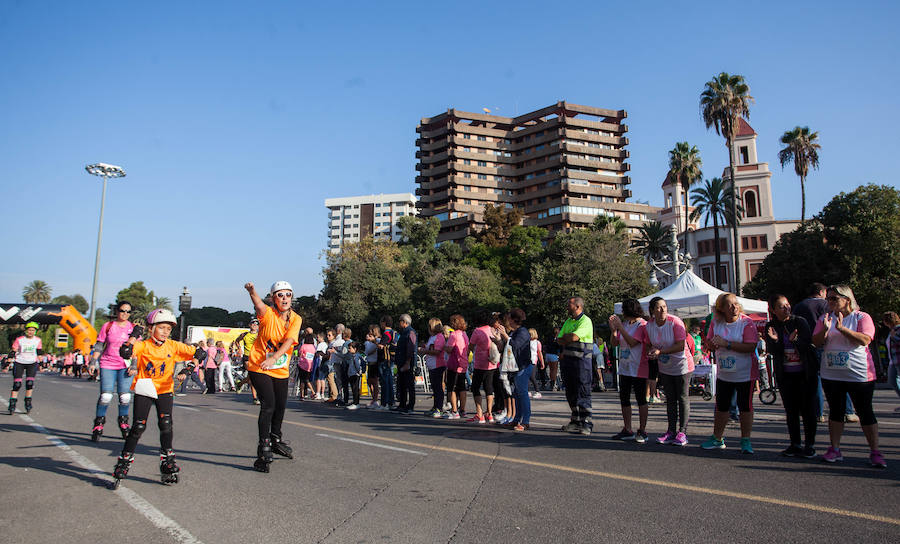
690, 296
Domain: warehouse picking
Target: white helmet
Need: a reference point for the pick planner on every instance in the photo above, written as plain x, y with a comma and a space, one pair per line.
161, 315
281, 286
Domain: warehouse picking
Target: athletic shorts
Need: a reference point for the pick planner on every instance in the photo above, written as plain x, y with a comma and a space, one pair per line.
725, 390
483, 379
372, 372
654, 369
456, 382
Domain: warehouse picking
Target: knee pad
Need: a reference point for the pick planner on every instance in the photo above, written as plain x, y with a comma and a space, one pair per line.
29, 384
17, 384
105, 399
165, 424
124, 398
138, 428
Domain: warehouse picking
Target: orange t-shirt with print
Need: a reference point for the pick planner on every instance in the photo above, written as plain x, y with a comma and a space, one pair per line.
273, 331
157, 362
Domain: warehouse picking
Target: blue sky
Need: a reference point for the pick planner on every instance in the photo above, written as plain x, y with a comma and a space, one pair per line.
235, 120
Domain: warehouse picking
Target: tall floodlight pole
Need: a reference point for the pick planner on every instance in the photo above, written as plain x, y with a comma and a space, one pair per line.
105, 171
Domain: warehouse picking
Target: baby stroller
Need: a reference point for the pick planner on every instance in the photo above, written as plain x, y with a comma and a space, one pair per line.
700, 382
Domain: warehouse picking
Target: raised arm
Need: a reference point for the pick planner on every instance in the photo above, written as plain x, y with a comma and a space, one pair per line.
258, 303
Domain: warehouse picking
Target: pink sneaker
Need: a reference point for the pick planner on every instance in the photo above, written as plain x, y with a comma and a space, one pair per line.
475, 419
679, 440
666, 438
490, 418
877, 460
834, 454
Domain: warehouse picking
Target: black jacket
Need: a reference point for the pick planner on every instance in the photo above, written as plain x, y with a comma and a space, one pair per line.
803, 345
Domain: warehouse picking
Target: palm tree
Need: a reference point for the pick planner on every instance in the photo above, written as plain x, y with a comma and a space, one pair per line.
607, 223
164, 302
802, 148
654, 241
37, 292
724, 100
715, 199
684, 167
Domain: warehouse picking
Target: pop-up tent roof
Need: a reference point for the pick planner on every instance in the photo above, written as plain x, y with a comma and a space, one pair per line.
690, 296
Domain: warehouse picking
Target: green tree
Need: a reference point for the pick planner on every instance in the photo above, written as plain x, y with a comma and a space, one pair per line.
498, 223
715, 200
362, 282
654, 241
801, 147
863, 227
684, 168
609, 223
77, 301
798, 259
419, 232
592, 264
724, 101
462, 289
37, 292
141, 299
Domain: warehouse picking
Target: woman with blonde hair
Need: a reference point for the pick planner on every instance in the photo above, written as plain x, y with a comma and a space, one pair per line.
844, 334
732, 337
436, 363
537, 356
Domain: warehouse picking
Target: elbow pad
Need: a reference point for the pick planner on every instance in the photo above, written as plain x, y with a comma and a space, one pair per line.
137, 332
40, 352
126, 351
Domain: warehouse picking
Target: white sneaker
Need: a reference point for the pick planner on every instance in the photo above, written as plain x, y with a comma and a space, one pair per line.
537, 395
529, 394
501, 415
353, 407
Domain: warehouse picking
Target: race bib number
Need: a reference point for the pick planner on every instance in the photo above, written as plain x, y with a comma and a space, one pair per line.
728, 363
29, 349
837, 360
280, 362
309, 356
791, 358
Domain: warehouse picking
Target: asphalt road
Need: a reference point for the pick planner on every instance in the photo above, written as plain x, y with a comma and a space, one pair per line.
368, 477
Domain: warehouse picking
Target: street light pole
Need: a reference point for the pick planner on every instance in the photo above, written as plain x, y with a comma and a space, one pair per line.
105, 171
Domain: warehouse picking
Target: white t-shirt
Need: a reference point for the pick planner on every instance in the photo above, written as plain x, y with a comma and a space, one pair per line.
430, 360
26, 349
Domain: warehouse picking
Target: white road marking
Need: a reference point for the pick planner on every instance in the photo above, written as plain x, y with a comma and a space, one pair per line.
183, 407
132, 499
371, 444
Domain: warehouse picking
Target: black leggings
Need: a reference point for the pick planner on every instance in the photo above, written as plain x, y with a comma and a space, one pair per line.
272, 395
141, 411
627, 384
485, 379
798, 394
725, 390
436, 377
351, 389
28, 370
860, 394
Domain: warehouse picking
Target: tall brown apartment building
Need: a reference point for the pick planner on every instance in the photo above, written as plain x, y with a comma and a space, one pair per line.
561, 165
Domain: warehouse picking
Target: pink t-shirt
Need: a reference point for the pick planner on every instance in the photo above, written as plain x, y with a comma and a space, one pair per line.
842, 359
733, 366
481, 339
211, 358
665, 336
307, 355
113, 335
457, 359
440, 360
633, 360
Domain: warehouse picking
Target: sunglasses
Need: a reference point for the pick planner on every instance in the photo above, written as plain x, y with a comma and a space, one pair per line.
124, 311
284, 295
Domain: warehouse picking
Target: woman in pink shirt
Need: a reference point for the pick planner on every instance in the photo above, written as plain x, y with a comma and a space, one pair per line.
844, 334
480, 343
666, 342
210, 366
113, 369
456, 347
732, 337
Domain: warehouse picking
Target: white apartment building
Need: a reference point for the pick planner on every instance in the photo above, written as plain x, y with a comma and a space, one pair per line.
355, 217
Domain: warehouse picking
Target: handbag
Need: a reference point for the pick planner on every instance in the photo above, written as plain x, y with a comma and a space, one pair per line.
508, 360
